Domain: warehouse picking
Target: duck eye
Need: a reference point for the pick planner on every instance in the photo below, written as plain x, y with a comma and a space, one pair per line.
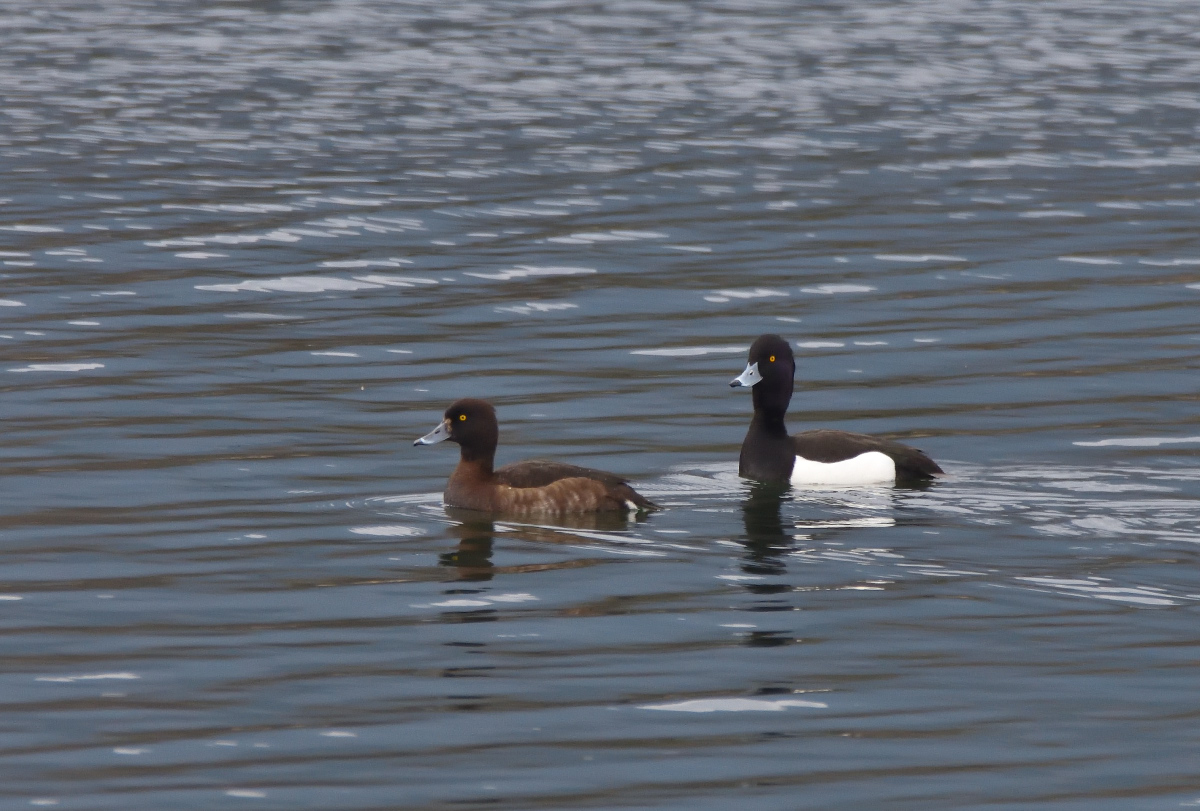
462, 417
772, 359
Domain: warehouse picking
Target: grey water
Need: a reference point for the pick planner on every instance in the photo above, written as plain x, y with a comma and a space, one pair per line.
250, 250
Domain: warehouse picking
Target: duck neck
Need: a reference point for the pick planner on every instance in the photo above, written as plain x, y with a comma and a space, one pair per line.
475, 463
768, 422
767, 452
770, 406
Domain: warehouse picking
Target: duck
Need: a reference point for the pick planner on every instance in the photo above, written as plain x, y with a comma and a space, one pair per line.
821, 457
537, 487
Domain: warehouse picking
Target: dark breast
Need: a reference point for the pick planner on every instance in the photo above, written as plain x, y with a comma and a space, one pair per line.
766, 457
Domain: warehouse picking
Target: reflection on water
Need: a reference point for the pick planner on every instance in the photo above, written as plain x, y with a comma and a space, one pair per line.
766, 542
472, 558
246, 249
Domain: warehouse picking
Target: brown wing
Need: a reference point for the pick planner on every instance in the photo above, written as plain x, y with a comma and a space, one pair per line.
558, 487
541, 472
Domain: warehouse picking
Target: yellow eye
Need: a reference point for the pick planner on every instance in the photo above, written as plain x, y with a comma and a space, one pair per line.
772, 359
462, 417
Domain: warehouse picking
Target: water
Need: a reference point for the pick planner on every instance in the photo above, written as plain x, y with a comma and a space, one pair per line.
251, 250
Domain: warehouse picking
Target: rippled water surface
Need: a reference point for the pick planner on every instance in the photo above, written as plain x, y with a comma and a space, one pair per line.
250, 250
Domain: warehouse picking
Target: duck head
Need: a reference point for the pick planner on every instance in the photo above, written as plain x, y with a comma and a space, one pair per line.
769, 373
472, 424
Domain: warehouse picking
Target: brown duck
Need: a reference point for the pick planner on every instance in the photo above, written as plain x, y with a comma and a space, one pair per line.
533, 488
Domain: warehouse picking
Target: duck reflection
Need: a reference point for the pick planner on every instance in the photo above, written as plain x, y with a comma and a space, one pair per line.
473, 555
766, 542
472, 558
840, 510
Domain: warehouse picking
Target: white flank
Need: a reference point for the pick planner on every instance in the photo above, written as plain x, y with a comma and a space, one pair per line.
871, 467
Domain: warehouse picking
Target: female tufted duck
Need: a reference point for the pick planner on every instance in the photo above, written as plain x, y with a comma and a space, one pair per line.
813, 457
536, 487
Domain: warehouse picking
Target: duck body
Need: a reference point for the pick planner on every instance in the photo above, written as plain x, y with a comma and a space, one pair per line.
823, 456
537, 487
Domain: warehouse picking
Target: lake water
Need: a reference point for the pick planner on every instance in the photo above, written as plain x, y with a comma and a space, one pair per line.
251, 250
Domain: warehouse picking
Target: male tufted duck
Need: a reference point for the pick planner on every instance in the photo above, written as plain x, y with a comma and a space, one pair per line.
813, 457
536, 487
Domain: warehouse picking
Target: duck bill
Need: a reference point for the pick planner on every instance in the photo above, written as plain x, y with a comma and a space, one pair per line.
747, 378
439, 434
